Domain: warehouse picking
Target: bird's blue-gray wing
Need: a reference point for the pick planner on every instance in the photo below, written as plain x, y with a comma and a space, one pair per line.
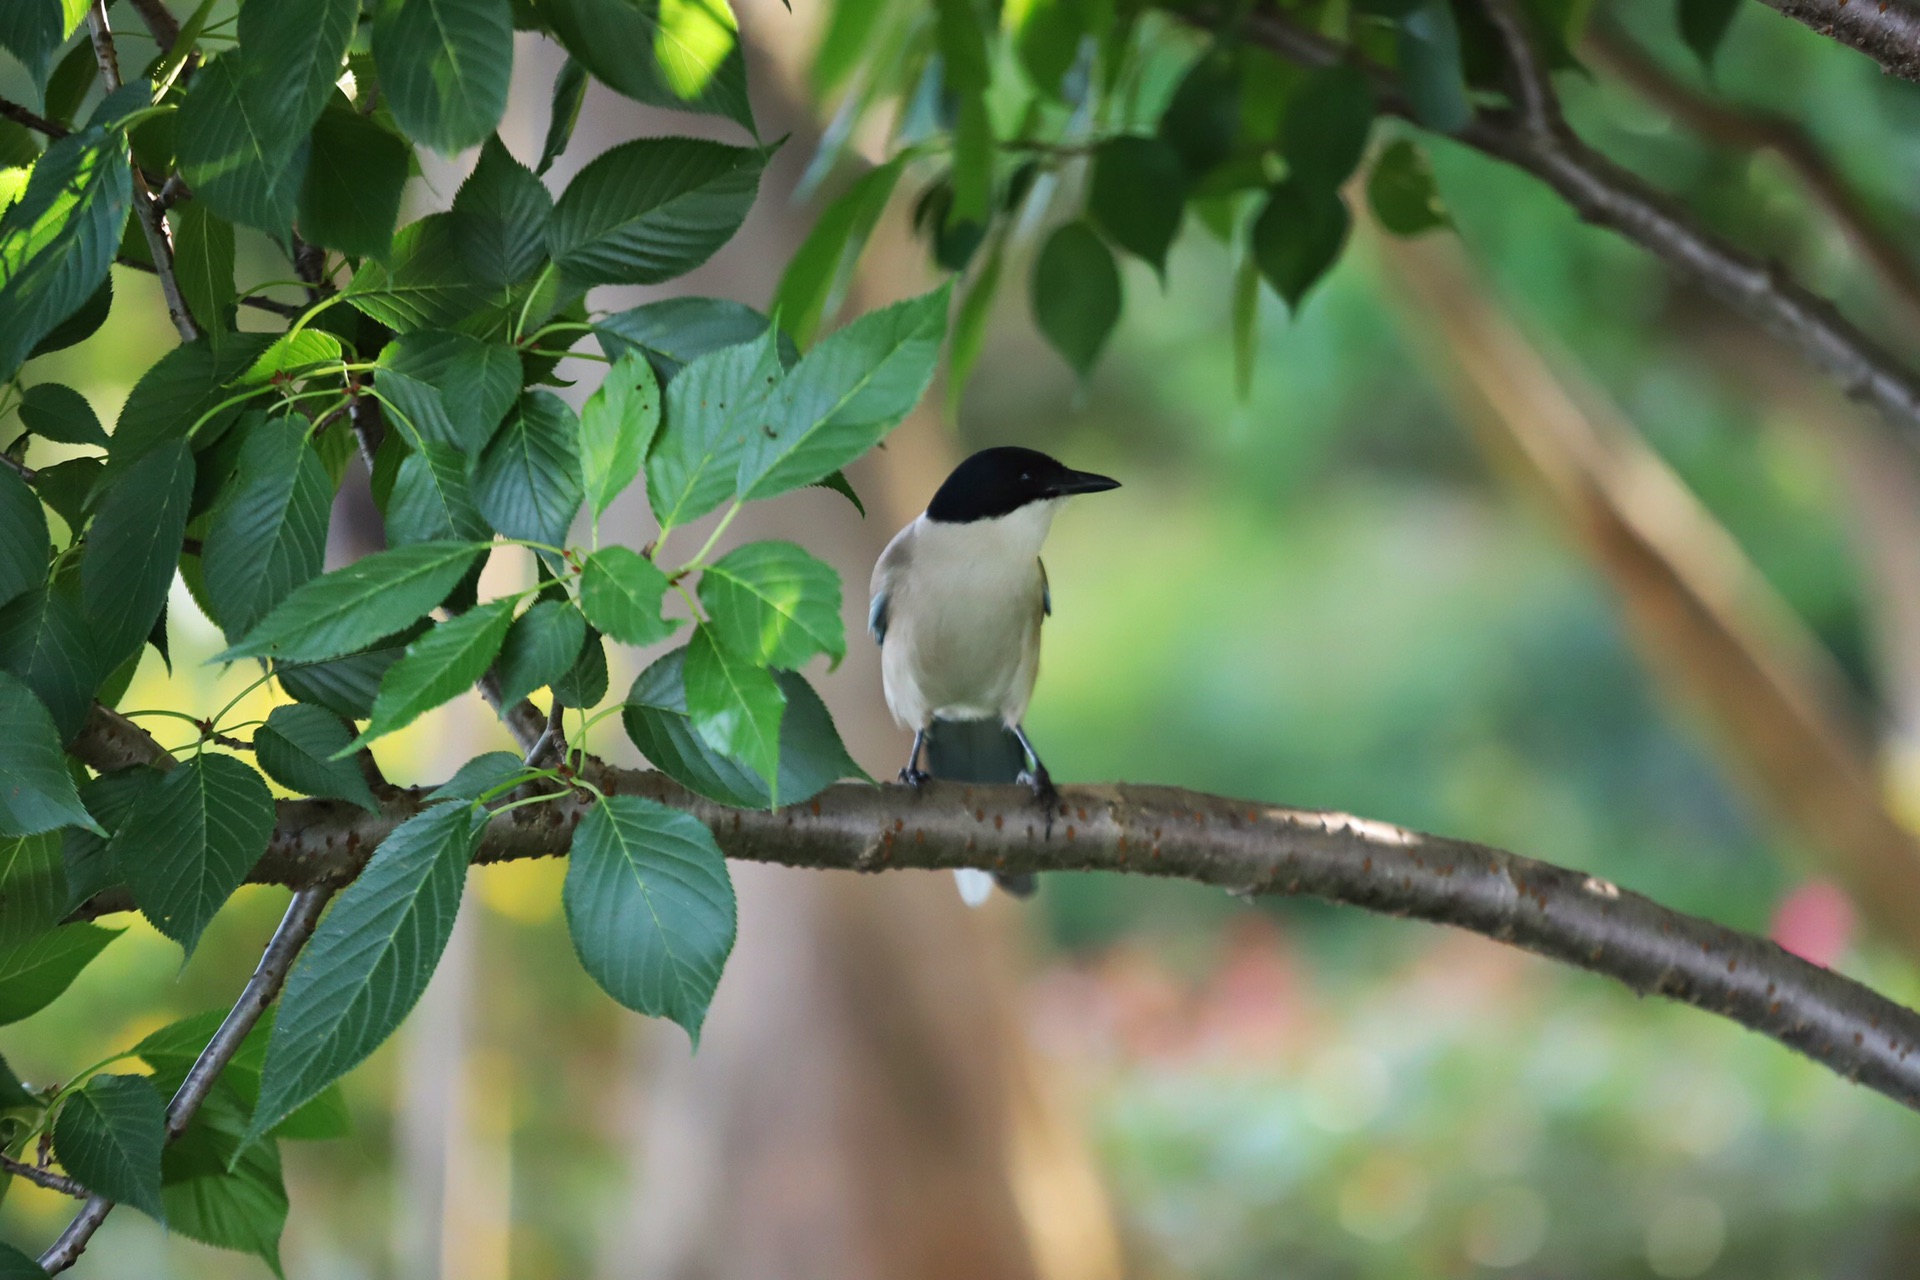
877, 618
1046, 592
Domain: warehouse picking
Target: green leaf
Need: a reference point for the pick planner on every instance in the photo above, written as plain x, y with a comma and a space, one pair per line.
811, 754
714, 404
80, 325
1402, 193
650, 908
36, 791
350, 194
1703, 25
24, 542
569, 91
109, 1135
1325, 130
133, 546
1138, 193
1046, 37
191, 841
296, 748
476, 383
735, 705
369, 960
674, 332
216, 1192
431, 501
294, 51
479, 775
111, 798
844, 396
14, 1096
666, 54
621, 592
617, 427
444, 67
46, 643
346, 686
33, 886
963, 45
541, 647
67, 488
55, 412
203, 262
269, 533
15, 1265
969, 332
815, 281
31, 32
178, 390
173, 1050
647, 211
974, 146
1246, 322
838, 483
500, 215
527, 483
241, 146
586, 683
34, 973
1202, 121
58, 240
1427, 47
424, 284
358, 604
772, 603
439, 666
292, 353
1298, 237
1076, 294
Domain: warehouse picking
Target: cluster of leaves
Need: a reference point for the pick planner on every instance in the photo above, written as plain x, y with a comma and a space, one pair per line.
430, 349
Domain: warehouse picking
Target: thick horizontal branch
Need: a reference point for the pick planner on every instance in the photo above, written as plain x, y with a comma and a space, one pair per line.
1605, 194
1244, 847
1888, 31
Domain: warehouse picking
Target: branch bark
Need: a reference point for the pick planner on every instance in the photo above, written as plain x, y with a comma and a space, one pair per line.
296, 927
1605, 194
1242, 846
1888, 31
13, 111
43, 1177
164, 27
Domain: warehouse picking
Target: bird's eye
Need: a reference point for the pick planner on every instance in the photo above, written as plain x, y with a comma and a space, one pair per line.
1025, 478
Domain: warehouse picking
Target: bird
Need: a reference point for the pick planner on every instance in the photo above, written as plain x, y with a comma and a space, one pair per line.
958, 598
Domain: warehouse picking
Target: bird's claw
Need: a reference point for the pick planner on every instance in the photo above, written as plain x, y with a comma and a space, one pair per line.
915, 778
1040, 783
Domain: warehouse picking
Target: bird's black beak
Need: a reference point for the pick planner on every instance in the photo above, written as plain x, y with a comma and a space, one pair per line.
1081, 482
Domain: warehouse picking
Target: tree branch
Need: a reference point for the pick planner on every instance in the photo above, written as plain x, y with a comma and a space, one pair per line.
1751, 130
1242, 846
1607, 195
285, 309
13, 111
20, 468
42, 1177
1888, 31
296, 927
110, 741
153, 222
161, 24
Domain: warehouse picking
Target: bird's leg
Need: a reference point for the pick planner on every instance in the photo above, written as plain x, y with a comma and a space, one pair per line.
1036, 775
912, 774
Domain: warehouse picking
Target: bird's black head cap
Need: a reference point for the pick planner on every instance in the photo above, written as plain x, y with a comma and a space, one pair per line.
995, 482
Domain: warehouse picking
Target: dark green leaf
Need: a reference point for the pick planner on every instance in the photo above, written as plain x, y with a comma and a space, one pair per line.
191, 841
439, 666
369, 960
24, 544
36, 791
294, 50
844, 396
711, 408
1427, 45
1138, 194
1047, 40
541, 647
1326, 126
296, 748
33, 886
772, 603
109, 1135
55, 412
621, 592
133, 547
242, 144
424, 284
13, 1096
350, 194
1401, 191
451, 388
15, 1265
45, 642
617, 426
962, 41
173, 1049
111, 798
1076, 294
1203, 119
218, 1194
82, 324
680, 55
73, 78
811, 754
431, 501
180, 389
650, 908
735, 705
815, 280
1703, 25
269, 533
527, 483
586, 684
358, 604
674, 332
479, 775
569, 91
67, 488
346, 686
444, 67
650, 210
838, 482
34, 973
1298, 237
203, 262
58, 239
31, 30
500, 215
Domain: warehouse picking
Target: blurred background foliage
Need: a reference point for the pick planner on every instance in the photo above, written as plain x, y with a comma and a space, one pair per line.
1321, 595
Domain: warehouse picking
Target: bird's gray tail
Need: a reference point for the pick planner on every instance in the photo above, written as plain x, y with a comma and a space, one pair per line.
979, 751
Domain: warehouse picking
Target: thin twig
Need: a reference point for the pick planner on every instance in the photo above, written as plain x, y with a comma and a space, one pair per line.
1888, 31
1531, 80
27, 473
40, 124
552, 743
43, 1177
1745, 129
296, 927
286, 309
523, 720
